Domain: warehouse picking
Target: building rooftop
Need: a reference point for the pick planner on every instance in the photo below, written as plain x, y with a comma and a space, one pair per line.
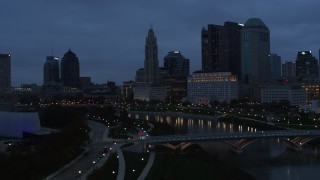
255, 22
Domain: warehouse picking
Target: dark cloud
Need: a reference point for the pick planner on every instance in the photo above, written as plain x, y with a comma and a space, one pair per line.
108, 36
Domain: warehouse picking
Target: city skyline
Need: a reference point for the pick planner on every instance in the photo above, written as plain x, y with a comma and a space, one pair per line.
108, 37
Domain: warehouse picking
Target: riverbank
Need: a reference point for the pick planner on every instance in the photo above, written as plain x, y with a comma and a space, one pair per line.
199, 165
144, 115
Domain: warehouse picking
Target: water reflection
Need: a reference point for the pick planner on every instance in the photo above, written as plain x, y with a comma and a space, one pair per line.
190, 125
264, 158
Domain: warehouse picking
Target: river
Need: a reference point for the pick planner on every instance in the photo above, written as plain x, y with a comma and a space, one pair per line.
265, 159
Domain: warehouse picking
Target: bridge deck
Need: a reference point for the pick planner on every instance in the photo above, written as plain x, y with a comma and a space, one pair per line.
230, 135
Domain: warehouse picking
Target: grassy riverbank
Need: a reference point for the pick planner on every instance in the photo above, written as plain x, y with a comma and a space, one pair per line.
192, 166
108, 171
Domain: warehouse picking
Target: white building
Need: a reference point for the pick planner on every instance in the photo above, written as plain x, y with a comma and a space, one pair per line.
149, 93
296, 95
205, 87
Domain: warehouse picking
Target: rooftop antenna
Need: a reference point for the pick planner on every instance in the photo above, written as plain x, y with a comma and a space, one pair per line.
51, 50
151, 26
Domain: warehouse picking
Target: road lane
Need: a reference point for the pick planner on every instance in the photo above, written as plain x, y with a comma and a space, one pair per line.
98, 142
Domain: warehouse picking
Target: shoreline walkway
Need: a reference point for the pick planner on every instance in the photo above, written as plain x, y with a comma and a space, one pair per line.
147, 168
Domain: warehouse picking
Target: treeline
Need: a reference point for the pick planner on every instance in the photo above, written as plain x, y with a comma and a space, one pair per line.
36, 161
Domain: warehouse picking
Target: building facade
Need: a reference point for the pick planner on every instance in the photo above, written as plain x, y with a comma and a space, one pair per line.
177, 68
312, 90
51, 70
176, 64
70, 70
5, 72
148, 78
14, 124
151, 63
221, 48
139, 79
288, 69
275, 67
85, 82
255, 63
127, 89
307, 68
150, 93
206, 87
294, 94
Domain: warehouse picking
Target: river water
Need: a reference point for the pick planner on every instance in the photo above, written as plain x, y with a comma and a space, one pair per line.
265, 159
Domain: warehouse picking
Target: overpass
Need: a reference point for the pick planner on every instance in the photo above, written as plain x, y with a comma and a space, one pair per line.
296, 138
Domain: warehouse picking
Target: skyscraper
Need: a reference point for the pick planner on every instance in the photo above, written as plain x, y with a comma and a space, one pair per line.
176, 64
288, 69
306, 66
151, 63
177, 67
148, 85
255, 40
70, 74
221, 48
5, 72
275, 67
51, 70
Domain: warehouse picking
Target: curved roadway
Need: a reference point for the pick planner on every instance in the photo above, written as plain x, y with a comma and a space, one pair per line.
94, 153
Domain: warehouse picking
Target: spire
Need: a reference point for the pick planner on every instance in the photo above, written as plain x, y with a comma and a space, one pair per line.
151, 32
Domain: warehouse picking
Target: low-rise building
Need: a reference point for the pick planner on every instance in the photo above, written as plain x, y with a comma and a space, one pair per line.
294, 94
149, 93
127, 89
206, 87
14, 124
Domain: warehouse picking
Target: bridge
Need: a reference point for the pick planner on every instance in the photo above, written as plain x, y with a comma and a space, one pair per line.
298, 138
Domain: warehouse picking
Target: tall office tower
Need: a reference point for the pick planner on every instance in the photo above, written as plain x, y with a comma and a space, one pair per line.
306, 66
5, 72
176, 64
177, 68
275, 67
255, 47
147, 86
151, 63
221, 48
288, 69
70, 74
51, 70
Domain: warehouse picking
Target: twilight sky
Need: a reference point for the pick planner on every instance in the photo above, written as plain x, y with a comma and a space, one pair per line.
108, 36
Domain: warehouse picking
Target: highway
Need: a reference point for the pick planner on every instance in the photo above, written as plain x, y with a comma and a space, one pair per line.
99, 137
